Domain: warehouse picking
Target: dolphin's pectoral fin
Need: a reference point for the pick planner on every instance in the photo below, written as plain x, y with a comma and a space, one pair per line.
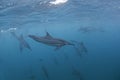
57, 48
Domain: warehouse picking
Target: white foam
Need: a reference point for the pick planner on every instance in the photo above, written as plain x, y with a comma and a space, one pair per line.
56, 2
8, 30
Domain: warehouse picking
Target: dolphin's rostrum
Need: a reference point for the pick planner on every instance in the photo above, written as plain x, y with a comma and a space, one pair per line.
49, 40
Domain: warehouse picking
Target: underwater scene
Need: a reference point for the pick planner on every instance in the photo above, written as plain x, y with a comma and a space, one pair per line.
59, 39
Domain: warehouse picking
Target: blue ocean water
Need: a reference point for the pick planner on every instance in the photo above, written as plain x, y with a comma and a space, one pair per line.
96, 23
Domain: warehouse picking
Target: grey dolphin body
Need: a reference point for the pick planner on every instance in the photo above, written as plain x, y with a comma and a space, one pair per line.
49, 40
22, 41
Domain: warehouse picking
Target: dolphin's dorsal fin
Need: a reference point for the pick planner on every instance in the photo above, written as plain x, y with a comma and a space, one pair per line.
48, 35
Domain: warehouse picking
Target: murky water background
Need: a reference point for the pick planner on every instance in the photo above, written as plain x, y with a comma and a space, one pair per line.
93, 22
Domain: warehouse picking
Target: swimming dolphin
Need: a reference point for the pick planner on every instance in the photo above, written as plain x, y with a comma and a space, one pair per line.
80, 48
23, 43
51, 41
45, 72
76, 73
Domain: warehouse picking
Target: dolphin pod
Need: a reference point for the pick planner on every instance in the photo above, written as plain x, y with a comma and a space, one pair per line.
50, 41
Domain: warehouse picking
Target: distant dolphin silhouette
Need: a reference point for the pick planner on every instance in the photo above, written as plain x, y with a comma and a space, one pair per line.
51, 41
80, 47
23, 43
